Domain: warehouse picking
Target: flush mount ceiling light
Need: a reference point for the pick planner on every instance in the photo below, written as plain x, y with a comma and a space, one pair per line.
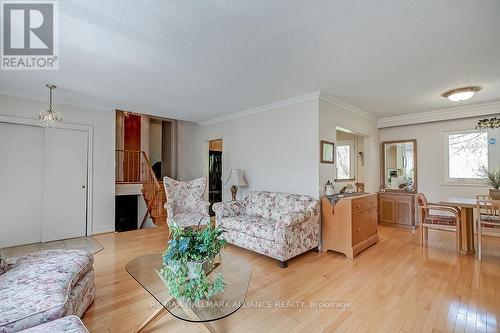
461, 94
50, 118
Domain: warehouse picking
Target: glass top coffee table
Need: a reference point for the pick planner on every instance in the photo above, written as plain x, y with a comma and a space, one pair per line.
235, 270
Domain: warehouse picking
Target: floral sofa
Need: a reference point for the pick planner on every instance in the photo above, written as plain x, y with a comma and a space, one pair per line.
44, 286
69, 324
278, 225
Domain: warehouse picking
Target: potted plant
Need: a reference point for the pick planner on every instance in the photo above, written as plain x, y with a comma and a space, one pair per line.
188, 262
492, 178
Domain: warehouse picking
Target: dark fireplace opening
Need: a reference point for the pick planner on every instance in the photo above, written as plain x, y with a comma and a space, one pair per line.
126, 212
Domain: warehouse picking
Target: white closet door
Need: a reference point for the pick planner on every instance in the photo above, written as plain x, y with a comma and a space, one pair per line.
21, 178
65, 184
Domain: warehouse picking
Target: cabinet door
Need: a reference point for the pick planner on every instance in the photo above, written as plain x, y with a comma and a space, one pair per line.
387, 210
364, 225
370, 226
404, 211
357, 228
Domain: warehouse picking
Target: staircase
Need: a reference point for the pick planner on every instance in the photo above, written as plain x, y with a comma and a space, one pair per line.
134, 167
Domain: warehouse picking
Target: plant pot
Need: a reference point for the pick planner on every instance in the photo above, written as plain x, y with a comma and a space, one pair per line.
193, 266
494, 194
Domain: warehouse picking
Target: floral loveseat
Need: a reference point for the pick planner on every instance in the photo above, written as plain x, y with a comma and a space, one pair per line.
44, 286
278, 225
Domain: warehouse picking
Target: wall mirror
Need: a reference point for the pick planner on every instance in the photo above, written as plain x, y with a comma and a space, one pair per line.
399, 165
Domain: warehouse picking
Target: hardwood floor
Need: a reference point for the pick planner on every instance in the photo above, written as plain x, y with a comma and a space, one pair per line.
393, 286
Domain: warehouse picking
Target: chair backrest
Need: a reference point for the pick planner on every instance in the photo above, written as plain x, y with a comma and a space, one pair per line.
185, 196
422, 201
482, 197
490, 211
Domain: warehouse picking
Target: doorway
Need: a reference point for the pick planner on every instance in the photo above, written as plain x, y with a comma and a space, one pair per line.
214, 172
132, 147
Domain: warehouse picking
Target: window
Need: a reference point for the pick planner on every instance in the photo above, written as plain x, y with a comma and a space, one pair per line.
344, 153
467, 154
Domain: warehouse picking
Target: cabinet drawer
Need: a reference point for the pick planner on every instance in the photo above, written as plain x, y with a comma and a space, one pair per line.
364, 203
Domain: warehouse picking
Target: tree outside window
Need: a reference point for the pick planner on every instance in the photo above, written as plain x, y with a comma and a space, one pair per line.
467, 154
344, 158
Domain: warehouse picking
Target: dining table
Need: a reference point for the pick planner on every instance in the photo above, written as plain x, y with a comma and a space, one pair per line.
466, 206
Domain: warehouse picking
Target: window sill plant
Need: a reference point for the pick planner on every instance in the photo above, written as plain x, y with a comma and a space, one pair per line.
188, 262
492, 178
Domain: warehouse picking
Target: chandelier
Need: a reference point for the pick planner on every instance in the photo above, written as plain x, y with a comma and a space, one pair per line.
488, 123
50, 118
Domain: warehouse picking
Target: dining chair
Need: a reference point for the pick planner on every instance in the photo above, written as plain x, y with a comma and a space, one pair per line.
488, 217
438, 217
481, 197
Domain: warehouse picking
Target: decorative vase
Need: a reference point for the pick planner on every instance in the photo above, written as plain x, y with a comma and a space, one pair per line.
494, 194
329, 190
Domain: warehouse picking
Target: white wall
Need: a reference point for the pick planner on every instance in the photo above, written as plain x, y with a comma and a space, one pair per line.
103, 123
332, 116
155, 140
277, 149
430, 153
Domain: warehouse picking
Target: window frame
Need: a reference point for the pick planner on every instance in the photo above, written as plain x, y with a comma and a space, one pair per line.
446, 160
352, 160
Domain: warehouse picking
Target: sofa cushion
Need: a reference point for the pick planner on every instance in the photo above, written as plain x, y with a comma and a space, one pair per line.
273, 205
251, 225
189, 219
3, 265
69, 324
286, 203
38, 286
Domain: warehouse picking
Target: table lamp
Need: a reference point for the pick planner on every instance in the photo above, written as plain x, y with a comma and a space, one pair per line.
236, 181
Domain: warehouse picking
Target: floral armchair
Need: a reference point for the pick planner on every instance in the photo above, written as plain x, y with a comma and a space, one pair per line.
278, 225
185, 205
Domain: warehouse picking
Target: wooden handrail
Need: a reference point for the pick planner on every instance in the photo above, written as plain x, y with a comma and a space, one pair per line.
131, 172
150, 167
134, 167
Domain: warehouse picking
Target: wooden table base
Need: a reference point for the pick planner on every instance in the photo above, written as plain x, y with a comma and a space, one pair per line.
160, 312
467, 231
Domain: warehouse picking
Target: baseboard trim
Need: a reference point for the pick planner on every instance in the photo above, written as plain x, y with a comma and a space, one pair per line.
103, 231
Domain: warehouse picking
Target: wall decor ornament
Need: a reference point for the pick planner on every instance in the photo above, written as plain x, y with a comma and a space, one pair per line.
488, 123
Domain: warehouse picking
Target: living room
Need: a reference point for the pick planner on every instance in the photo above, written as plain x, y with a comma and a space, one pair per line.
274, 166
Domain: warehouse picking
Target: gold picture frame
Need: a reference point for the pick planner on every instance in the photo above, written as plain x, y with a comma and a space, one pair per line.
327, 152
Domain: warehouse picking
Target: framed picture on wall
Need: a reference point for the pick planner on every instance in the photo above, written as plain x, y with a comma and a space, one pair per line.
327, 152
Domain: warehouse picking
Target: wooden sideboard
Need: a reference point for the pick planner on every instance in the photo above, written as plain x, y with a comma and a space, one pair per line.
349, 226
397, 208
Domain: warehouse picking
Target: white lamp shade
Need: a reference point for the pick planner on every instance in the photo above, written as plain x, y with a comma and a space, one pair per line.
236, 178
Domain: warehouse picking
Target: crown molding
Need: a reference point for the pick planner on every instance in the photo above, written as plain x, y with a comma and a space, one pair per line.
351, 108
466, 111
263, 108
